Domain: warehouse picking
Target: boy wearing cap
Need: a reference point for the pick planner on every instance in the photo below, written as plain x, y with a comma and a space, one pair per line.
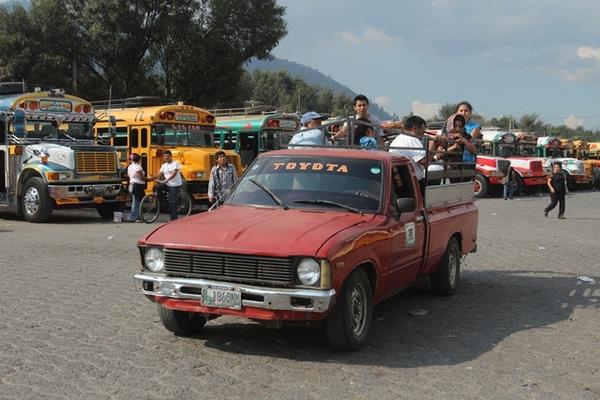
311, 132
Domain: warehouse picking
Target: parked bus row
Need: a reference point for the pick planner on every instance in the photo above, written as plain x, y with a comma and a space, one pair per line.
59, 151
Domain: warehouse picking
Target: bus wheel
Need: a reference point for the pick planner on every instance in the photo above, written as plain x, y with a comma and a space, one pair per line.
36, 204
107, 210
480, 186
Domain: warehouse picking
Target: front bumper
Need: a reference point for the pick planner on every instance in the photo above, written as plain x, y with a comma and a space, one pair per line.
534, 180
303, 300
85, 190
495, 180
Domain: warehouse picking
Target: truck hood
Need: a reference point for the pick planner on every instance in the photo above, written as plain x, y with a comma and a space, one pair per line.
253, 230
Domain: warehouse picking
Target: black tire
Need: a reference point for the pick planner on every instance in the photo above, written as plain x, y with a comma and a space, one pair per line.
150, 208
36, 204
184, 204
445, 280
181, 322
480, 186
520, 185
349, 323
107, 210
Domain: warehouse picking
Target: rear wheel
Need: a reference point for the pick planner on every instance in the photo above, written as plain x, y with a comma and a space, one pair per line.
184, 204
349, 323
36, 204
445, 280
480, 186
181, 322
150, 208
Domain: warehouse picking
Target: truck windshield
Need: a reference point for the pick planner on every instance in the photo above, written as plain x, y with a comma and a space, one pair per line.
49, 130
338, 184
182, 135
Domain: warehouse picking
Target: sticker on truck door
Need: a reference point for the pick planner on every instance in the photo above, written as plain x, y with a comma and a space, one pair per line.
409, 230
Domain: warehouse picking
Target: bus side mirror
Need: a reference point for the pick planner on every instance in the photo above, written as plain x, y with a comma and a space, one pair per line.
19, 122
112, 126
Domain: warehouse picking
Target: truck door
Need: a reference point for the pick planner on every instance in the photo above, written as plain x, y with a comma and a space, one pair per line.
407, 230
3, 159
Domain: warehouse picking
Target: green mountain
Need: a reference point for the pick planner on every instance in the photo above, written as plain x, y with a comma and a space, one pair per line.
312, 77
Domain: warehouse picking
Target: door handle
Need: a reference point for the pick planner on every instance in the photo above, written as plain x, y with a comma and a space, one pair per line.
419, 218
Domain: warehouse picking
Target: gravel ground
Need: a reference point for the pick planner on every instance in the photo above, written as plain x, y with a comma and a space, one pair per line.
524, 324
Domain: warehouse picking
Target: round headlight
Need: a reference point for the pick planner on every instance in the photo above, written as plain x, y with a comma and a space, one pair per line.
308, 271
154, 259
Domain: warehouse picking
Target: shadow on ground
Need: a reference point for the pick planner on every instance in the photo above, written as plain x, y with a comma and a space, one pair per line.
490, 306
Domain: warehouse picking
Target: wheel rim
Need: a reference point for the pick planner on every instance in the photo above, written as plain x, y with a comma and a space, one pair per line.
358, 308
476, 186
31, 200
452, 268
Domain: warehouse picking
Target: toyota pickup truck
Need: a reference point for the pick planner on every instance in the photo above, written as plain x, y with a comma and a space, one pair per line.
312, 234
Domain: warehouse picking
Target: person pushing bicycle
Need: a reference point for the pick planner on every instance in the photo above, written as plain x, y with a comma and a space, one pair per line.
172, 182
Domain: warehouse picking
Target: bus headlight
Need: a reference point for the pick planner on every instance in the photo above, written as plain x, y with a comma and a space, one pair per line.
308, 271
58, 176
154, 259
195, 174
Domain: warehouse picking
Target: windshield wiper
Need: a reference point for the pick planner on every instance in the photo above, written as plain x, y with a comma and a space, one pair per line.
276, 199
330, 203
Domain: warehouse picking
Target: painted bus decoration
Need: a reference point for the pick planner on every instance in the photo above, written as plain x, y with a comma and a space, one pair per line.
250, 131
49, 160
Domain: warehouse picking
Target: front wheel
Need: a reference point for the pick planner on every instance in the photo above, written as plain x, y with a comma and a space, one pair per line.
480, 186
349, 323
36, 204
181, 322
150, 208
107, 210
445, 280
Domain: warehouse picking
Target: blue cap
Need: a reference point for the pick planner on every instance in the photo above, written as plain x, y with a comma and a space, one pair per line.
309, 116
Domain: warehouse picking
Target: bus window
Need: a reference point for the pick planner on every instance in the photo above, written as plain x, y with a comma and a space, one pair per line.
133, 138
182, 135
144, 137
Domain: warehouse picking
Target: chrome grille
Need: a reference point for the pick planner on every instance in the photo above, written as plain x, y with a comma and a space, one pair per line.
95, 162
235, 161
242, 268
536, 166
502, 166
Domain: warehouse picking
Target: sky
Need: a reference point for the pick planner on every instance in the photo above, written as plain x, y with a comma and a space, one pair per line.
510, 57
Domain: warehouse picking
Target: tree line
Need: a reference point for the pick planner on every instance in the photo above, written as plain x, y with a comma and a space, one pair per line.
191, 50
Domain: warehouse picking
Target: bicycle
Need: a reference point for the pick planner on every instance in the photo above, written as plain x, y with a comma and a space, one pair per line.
151, 204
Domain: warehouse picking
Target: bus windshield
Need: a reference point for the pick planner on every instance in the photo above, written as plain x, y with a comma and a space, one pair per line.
182, 135
48, 130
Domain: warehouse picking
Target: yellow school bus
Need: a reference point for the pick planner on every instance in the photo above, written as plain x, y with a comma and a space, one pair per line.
134, 126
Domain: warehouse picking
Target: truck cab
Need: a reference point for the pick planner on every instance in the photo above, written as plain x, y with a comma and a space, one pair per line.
311, 234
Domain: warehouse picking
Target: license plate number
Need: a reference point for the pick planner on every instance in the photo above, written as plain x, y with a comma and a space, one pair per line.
226, 298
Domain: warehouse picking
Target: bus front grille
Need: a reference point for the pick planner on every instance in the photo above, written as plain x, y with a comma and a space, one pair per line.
96, 162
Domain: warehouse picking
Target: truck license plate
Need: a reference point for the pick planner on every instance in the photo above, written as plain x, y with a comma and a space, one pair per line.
226, 298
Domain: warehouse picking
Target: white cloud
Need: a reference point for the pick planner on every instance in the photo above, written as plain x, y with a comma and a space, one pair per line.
573, 121
425, 110
586, 53
383, 101
369, 35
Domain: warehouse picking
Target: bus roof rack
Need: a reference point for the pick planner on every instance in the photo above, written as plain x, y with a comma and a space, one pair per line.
8, 88
130, 102
261, 109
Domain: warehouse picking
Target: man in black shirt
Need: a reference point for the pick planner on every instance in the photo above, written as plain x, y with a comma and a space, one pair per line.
558, 188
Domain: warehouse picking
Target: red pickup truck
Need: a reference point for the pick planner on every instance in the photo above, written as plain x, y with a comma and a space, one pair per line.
309, 235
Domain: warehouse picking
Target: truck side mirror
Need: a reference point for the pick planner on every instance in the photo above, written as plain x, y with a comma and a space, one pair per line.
406, 204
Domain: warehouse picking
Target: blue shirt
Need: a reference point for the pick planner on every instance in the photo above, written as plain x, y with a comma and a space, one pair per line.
472, 124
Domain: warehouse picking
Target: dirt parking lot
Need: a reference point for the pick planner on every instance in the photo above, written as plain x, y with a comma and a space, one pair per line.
524, 325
